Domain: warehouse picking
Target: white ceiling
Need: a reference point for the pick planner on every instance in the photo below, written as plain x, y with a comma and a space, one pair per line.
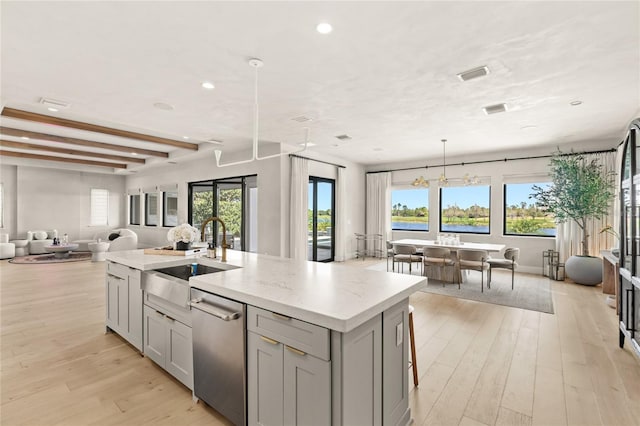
386, 75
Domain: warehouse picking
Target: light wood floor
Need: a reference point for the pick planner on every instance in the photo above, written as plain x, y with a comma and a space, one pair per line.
479, 364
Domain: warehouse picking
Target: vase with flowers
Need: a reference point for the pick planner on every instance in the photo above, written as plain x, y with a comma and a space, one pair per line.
183, 235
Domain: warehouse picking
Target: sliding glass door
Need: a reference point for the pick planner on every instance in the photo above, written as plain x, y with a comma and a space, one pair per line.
234, 201
321, 219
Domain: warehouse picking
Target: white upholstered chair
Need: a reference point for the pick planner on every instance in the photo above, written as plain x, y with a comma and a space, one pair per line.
511, 256
119, 239
475, 260
39, 239
7, 249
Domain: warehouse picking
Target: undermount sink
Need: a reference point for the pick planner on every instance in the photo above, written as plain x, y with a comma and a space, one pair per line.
184, 271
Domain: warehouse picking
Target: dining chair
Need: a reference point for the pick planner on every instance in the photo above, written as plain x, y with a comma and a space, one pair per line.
440, 258
390, 254
475, 260
511, 255
406, 254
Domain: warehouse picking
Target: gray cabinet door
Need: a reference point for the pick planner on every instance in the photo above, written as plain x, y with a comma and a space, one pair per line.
179, 352
395, 362
134, 310
307, 389
155, 336
264, 381
111, 310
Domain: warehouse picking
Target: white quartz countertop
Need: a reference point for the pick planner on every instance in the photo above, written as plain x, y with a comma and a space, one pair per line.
331, 295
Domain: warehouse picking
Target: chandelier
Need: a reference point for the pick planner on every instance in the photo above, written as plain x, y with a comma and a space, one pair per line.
443, 180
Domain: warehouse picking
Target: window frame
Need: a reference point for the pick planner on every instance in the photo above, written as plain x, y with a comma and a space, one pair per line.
131, 210
164, 209
410, 188
91, 207
504, 213
462, 232
147, 206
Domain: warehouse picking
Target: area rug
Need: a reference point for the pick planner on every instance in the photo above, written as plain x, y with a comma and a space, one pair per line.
50, 258
529, 292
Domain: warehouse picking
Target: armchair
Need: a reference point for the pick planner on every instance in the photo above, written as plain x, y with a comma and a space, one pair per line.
119, 239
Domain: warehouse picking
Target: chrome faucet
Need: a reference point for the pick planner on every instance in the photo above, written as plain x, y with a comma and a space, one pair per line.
224, 235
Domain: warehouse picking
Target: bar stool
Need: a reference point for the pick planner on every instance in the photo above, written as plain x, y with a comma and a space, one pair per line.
412, 340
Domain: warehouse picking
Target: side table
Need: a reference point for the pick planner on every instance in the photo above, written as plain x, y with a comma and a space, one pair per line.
610, 275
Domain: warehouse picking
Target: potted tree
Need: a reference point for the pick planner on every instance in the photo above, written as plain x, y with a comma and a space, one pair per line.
581, 191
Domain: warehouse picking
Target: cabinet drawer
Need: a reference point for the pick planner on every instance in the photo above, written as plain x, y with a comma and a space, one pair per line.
300, 335
118, 270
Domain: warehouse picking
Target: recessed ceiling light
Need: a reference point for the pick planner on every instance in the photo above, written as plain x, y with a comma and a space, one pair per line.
324, 28
163, 106
134, 153
308, 144
24, 137
52, 109
185, 137
575, 103
215, 141
208, 85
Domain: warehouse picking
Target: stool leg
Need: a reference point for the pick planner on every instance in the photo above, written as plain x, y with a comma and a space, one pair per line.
412, 340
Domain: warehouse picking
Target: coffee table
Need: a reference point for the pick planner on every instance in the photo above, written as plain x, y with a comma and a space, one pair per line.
61, 251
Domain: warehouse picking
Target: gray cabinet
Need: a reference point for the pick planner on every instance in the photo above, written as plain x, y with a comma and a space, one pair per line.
287, 385
123, 298
168, 343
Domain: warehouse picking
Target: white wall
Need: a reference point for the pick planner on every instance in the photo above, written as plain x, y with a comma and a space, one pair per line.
43, 198
9, 178
531, 248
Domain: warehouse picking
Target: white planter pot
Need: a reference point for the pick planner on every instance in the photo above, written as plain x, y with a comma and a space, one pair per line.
585, 270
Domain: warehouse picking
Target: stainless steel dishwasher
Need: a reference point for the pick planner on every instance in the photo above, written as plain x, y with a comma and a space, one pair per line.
219, 353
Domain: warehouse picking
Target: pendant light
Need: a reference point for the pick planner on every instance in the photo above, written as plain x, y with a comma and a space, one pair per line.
443, 181
421, 181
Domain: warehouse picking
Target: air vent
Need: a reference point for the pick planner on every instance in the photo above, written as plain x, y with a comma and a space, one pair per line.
52, 103
494, 109
301, 119
474, 73
344, 137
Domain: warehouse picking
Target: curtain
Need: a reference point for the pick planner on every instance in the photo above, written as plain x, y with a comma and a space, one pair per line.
299, 206
569, 234
341, 216
378, 209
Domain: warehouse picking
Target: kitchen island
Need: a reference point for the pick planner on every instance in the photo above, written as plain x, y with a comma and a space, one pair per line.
353, 368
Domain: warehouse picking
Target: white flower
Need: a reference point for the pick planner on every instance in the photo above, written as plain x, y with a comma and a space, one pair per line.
185, 233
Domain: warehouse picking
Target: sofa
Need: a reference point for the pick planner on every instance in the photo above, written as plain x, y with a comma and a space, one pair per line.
118, 239
37, 240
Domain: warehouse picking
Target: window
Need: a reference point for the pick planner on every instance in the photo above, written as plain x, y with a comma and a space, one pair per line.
169, 209
409, 211
465, 209
151, 209
522, 216
134, 209
320, 214
99, 207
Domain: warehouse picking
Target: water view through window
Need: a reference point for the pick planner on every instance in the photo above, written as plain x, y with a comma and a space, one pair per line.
409, 210
522, 216
465, 209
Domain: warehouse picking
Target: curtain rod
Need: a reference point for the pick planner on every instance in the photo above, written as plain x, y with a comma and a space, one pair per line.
493, 161
318, 161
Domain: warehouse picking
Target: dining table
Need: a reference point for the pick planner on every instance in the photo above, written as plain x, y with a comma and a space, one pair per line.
447, 274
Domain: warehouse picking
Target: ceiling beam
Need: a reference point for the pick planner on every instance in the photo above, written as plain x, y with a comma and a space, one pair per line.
61, 159
41, 118
73, 141
20, 145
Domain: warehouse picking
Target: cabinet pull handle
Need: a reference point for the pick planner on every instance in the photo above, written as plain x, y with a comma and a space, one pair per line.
279, 316
169, 318
629, 301
266, 339
160, 314
295, 351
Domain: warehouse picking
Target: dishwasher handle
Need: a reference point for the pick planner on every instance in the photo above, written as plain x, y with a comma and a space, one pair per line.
203, 306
